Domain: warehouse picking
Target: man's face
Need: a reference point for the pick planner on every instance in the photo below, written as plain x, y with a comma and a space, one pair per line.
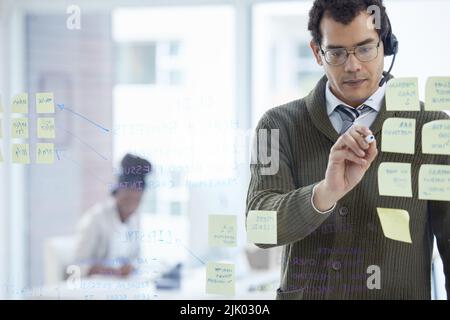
354, 81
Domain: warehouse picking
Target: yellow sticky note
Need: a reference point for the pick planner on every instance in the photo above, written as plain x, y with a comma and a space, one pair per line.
220, 278
395, 224
437, 94
20, 153
434, 182
45, 153
402, 94
262, 227
46, 128
436, 137
394, 179
19, 128
20, 103
222, 230
398, 135
44, 102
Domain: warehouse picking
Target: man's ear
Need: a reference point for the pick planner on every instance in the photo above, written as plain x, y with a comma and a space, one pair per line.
316, 51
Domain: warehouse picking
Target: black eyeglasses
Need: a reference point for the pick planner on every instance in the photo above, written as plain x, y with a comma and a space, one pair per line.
339, 56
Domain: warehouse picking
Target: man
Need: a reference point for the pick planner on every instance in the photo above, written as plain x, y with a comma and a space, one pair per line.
103, 245
325, 192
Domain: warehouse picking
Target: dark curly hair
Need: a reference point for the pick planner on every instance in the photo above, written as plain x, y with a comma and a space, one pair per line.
344, 11
133, 172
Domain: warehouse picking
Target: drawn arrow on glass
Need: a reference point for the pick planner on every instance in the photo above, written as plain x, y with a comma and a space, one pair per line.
178, 241
63, 107
61, 156
86, 144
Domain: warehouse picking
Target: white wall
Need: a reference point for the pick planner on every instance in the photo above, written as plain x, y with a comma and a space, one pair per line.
422, 30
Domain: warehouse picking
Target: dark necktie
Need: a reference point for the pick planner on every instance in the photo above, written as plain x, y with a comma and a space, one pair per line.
349, 115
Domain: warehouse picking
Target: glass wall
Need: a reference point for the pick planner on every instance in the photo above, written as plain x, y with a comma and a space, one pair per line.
181, 85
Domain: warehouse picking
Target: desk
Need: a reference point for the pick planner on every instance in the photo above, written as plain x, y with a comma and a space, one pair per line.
143, 288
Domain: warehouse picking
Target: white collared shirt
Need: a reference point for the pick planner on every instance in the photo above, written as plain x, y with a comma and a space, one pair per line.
103, 238
374, 101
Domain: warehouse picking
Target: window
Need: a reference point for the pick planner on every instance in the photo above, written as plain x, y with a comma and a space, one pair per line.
175, 106
283, 65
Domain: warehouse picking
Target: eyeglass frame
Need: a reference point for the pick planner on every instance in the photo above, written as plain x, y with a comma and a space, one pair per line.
323, 52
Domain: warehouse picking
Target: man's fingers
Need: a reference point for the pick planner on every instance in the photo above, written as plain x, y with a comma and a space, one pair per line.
360, 139
359, 133
351, 143
341, 155
354, 138
362, 130
372, 152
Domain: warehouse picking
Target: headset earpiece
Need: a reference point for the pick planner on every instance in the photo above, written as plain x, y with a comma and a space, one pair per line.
390, 45
390, 41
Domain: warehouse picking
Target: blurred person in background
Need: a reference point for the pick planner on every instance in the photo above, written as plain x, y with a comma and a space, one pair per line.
104, 245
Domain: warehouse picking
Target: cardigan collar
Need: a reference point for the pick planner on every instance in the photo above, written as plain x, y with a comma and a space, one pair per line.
316, 105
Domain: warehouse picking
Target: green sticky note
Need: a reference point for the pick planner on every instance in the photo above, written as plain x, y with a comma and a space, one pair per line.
262, 227
220, 278
20, 153
222, 230
402, 94
395, 224
394, 179
46, 128
398, 135
434, 182
44, 102
20, 103
19, 128
437, 94
45, 153
436, 137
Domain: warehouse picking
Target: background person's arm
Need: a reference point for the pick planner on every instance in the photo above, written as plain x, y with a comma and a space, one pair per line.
88, 240
100, 269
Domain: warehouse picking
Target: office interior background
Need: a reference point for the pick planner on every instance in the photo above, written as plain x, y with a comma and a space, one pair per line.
181, 83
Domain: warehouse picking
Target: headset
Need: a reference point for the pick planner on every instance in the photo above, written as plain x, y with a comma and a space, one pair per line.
390, 44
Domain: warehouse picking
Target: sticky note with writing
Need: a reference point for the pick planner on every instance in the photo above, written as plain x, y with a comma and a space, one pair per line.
398, 135
20, 153
46, 128
437, 94
262, 227
395, 224
436, 137
394, 179
434, 182
45, 153
222, 230
20, 103
19, 128
44, 102
402, 94
220, 278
